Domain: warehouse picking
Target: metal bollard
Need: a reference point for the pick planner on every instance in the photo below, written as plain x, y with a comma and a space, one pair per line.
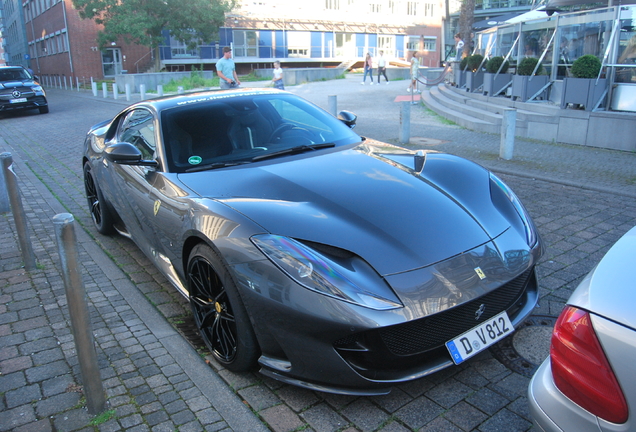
405, 122
78, 310
18, 212
508, 126
333, 105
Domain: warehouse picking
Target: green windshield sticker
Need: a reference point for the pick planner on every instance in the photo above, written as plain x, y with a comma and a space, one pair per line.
194, 160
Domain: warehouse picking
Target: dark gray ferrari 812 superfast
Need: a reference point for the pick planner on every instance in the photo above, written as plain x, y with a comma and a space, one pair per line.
329, 260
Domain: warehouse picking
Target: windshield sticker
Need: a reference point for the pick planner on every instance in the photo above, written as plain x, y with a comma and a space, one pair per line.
194, 160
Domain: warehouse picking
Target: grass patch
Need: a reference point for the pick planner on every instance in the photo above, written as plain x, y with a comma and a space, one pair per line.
102, 418
439, 118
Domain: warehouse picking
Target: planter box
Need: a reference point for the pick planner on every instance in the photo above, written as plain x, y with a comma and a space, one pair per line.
582, 91
474, 80
493, 84
459, 76
524, 88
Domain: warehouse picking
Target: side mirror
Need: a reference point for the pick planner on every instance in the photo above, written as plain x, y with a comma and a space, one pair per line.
348, 118
126, 154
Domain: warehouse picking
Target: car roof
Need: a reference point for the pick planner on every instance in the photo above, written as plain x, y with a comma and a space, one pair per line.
171, 101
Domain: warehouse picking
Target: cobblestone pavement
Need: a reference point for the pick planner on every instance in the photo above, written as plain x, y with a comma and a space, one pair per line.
582, 199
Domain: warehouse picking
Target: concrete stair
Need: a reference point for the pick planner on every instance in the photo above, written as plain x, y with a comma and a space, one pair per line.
483, 113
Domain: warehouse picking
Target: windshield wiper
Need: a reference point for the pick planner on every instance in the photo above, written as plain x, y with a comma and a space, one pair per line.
215, 165
293, 150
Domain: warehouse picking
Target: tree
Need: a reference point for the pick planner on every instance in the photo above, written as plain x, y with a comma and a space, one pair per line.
142, 21
466, 18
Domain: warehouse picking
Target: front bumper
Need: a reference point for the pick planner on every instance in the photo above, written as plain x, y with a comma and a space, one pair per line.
320, 343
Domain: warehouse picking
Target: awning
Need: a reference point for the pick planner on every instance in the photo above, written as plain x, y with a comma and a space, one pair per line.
494, 21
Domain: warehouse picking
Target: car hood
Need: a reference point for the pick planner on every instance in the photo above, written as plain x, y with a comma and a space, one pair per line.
18, 83
609, 290
357, 199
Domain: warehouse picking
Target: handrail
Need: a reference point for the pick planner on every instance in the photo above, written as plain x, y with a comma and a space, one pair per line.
144, 56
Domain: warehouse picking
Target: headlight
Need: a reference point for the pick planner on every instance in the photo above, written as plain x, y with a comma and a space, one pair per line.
37, 88
349, 279
528, 226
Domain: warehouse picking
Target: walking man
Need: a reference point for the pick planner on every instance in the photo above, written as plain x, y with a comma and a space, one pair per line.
226, 70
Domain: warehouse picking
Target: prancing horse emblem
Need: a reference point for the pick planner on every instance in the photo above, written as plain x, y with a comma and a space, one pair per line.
479, 312
480, 273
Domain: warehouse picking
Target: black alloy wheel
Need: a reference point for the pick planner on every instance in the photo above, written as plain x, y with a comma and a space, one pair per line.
219, 312
100, 214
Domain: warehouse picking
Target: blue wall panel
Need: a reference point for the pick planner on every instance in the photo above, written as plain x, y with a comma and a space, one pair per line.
281, 45
316, 45
265, 50
330, 45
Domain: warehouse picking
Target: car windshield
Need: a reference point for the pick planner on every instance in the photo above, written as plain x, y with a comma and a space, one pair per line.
14, 74
232, 130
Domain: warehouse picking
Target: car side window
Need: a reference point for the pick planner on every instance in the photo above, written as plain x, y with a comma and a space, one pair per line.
138, 129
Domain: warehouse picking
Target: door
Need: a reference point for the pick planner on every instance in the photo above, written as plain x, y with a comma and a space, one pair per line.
111, 62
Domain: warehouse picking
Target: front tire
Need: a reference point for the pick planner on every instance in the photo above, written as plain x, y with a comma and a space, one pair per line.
101, 215
219, 312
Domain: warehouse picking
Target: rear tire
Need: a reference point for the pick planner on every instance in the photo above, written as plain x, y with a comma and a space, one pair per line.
219, 312
102, 217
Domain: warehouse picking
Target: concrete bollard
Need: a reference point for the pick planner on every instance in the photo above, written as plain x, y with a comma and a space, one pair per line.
405, 122
180, 90
94, 88
128, 92
105, 90
78, 310
142, 91
115, 91
160, 90
28, 257
508, 126
333, 105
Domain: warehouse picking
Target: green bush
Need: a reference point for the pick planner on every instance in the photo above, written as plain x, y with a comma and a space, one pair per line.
474, 61
587, 66
494, 63
527, 65
463, 63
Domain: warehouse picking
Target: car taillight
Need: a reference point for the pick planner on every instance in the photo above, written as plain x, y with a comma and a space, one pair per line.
580, 368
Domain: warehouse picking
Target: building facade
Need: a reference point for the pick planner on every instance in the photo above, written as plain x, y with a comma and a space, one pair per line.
318, 33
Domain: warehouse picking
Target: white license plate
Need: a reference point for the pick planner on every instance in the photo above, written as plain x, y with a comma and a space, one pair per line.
479, 338
18, 100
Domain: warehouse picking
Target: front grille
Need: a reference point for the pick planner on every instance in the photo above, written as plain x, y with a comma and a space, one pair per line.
426, 333
388, 352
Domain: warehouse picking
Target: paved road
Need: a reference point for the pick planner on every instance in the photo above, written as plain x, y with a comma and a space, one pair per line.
582, 199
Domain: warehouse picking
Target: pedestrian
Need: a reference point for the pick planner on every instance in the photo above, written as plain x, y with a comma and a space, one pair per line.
278, 76
368, 69
415, 70
382, 67
459, 47
226, 70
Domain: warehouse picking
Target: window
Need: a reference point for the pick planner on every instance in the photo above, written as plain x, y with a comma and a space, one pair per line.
138, 129
180, 49
430, 43
413, 43
411, 8
298, 44
375, 7
245, 43
332, 4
